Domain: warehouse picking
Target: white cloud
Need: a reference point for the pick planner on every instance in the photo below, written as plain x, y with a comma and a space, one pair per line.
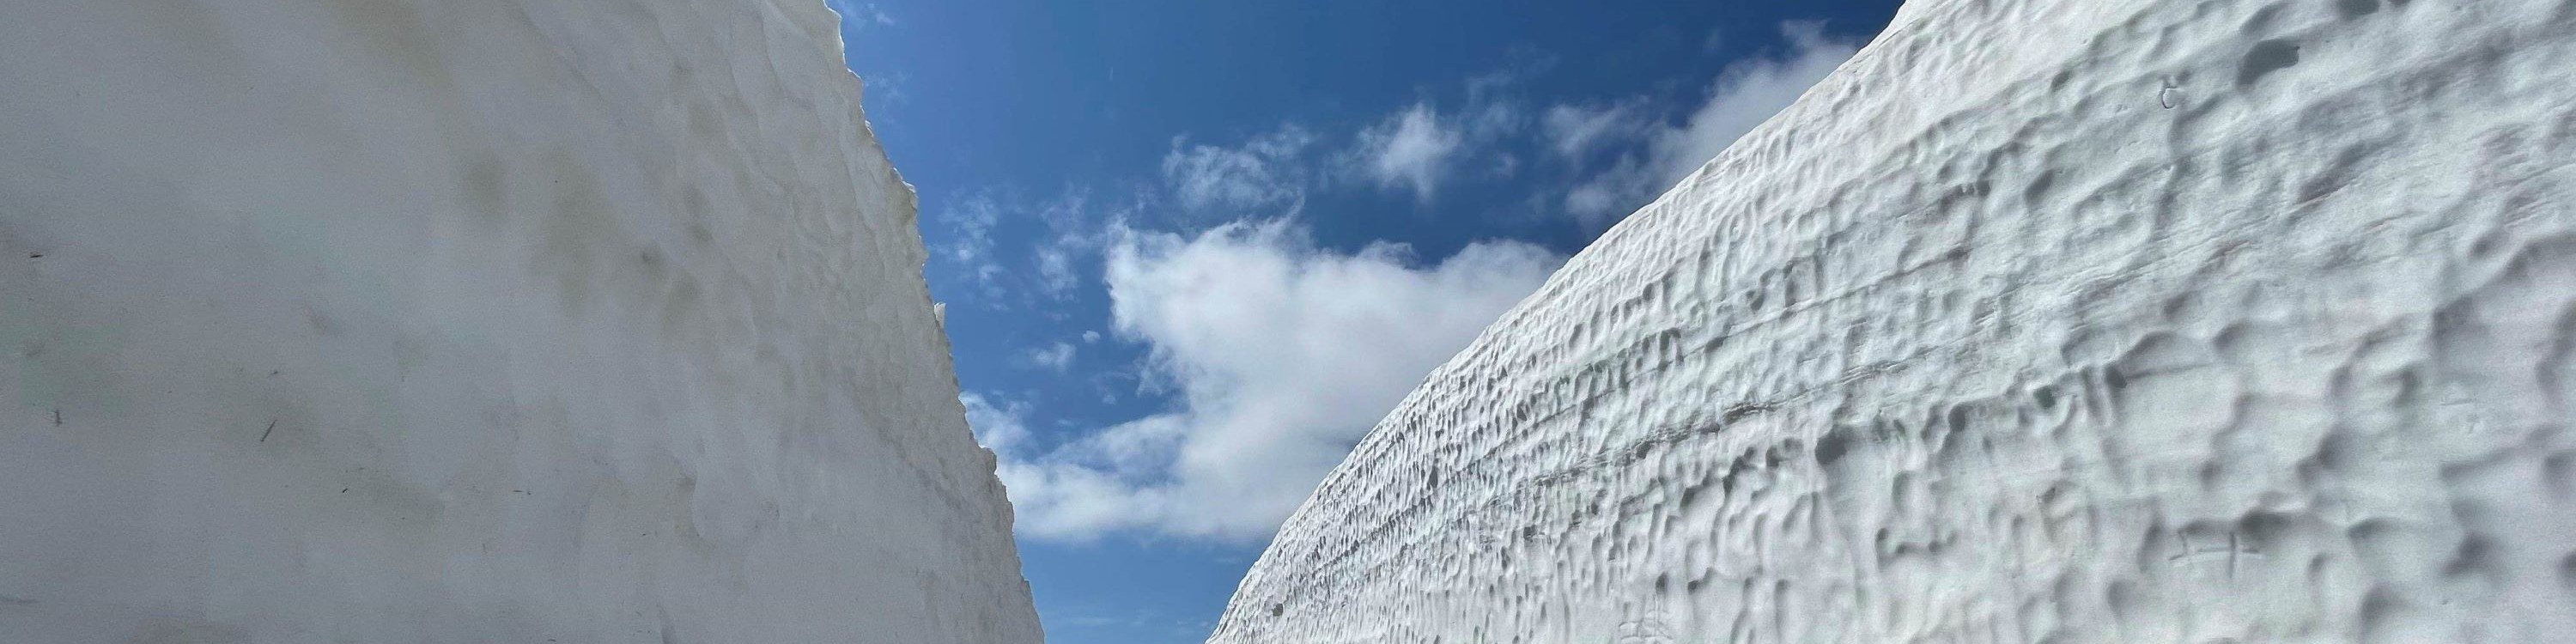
991, 242
970, 246
1055, 267
885, 89
1486, 121
972, 219
1421, 147
1575, 130
1281, 356
1055, 257
860, 15
1489, 119
1057, 356
1089, 337
997, 427
1410, 149
1265, 171
1743, 96
1609, 195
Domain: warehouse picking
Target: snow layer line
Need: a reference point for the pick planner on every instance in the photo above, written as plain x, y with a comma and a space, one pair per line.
471, 321
2039, 321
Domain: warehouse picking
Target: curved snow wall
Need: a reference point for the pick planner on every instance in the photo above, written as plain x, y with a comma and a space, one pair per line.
486, 321
2039, 321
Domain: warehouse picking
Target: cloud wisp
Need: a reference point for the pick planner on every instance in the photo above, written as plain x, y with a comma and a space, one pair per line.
1264, 172
1747, 93
1574, 131
1056, 357
1411, 150
982, 226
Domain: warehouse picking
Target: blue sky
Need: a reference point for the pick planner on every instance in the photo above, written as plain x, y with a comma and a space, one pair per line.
1190, 252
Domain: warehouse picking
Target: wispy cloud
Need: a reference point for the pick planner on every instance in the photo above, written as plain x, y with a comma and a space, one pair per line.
1281, 356
1574, 131
884, 88
1046, 259
860, 15
1266, 171
972, 219
1741, 98
1057, 356
1409, 150
969, 247
1070, 238
998, 427
1055, 266
1422, 147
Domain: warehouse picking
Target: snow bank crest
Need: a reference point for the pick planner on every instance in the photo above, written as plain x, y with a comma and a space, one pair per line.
2039, 320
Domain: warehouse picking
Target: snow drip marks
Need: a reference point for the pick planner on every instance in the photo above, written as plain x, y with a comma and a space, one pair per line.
2041, 321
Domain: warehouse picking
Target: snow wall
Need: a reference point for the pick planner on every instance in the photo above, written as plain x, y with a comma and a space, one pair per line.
471, 321
2039, 321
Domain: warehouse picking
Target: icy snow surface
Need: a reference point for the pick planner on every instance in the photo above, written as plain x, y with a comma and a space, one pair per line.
2039, 321
488, 321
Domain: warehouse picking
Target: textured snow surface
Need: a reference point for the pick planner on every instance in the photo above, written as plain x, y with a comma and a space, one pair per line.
486, 321
2039, 321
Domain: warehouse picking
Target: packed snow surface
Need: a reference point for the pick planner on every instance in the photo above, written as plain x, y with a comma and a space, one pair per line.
492, 321
2039, 321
